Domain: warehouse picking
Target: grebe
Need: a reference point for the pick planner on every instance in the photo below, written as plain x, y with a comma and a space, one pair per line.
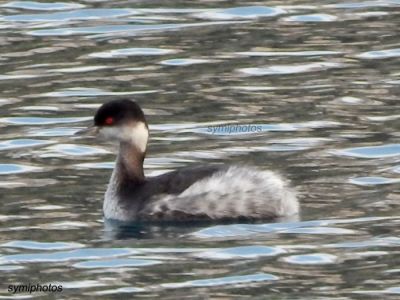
190, 194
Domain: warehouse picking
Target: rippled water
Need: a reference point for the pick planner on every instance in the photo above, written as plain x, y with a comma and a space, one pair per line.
321, 80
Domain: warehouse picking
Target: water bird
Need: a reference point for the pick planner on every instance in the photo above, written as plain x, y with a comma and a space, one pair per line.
203, 192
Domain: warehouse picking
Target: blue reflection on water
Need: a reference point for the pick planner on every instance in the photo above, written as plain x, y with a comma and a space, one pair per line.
22, 143
82, 14
33, 5
380, 54
311, 18
15, 169
87, 253
373, 180
311, 259
372, 151
116, 263
41, 120
243, 12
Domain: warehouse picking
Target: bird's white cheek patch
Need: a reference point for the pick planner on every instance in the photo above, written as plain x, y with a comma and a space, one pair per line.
136, 134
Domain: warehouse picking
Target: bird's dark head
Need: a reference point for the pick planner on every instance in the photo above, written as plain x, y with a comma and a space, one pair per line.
122, 120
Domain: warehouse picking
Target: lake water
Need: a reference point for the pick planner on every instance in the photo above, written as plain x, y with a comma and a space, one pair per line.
321, 80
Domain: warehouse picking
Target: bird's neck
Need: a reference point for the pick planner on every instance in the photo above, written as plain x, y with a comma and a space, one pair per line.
129, 164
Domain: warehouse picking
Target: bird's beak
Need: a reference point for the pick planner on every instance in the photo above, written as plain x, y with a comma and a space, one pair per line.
88, 131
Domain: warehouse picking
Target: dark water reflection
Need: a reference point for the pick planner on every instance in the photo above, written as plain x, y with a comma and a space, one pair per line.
321, 80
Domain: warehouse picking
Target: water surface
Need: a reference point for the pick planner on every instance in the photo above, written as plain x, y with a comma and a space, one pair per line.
320, 81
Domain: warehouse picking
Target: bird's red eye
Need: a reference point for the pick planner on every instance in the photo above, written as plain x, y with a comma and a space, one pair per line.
109, 121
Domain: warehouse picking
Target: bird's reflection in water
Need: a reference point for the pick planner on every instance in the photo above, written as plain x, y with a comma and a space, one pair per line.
115, 229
